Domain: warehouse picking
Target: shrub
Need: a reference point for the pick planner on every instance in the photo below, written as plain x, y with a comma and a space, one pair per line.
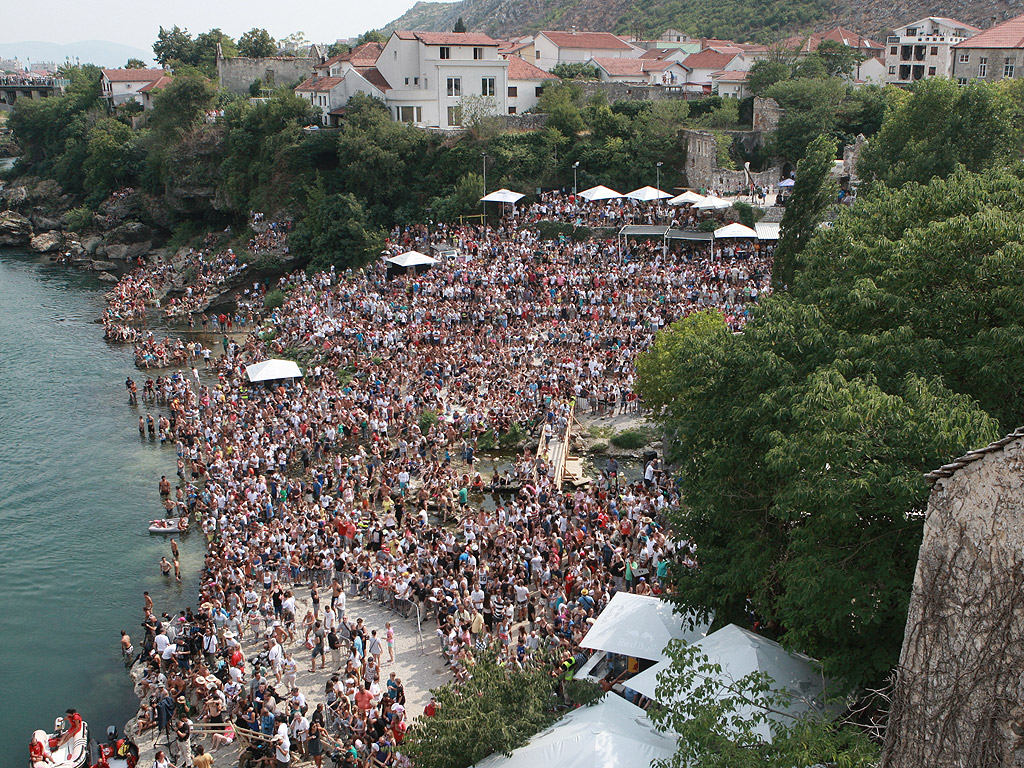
427, 419
552, 230
516, 433
78, 218
273, 299
631, 439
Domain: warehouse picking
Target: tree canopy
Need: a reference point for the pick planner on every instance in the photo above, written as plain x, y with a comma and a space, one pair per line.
257, 44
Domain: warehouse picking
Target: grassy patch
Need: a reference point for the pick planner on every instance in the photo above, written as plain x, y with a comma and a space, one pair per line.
631, 439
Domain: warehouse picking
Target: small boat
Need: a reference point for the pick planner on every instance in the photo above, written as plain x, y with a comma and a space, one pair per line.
174, 525
117, 752
66, 747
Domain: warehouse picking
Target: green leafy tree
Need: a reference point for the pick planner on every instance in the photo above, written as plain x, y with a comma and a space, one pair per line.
938, 125
810, 67
812, 108
175, 45
206, 50
718, 719
462, 201
182, 105
839, 59
460, 26
575, 70
560, 102
294, 44
257, 44
335, 231
764, 73
135, 64
113, 157
371, 36
815, 190
337, 48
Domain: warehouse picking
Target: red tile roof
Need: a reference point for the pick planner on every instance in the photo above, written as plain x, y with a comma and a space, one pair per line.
373, 76
730, 76
520, 69
319, 84
711, 58
602, 41
656, 53
448, 38
632, 67
1009, 34
133, 75
514, 46
158, 84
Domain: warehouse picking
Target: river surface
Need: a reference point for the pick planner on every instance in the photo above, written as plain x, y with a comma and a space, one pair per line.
77, 489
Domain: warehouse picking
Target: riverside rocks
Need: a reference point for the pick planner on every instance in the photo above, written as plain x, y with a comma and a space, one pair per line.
15, 229
46, 242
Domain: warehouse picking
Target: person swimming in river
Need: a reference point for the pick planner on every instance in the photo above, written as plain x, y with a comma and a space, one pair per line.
165, 567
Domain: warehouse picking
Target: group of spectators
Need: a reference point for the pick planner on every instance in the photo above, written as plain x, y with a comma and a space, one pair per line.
207, 272
578, 211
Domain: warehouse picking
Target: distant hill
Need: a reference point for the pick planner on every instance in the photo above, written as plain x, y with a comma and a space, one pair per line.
743, 20
102, 53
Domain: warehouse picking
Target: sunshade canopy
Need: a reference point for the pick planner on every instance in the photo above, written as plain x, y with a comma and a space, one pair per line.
599, 193
787, 183
610, 734
502, 196
271, 370
739, 652
767, 230
647, 193
411, 259
640, 626
735, 230
686, 197
711, 202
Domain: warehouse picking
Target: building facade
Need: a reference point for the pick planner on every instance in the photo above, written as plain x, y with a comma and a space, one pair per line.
554, 48
995, 54
924, 49
119, 86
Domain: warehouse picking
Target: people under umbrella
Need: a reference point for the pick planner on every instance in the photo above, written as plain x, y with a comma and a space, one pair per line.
363, 480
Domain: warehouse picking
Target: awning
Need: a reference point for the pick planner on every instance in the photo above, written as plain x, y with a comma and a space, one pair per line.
767, 230
599, 193
735, 230
272, 370
411, 259
711, 202
641, 230
689, 234
686, 197
647, 194
502, 196
640, 626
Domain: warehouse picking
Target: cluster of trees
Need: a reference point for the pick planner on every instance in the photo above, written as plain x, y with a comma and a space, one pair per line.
758, 20
175, 47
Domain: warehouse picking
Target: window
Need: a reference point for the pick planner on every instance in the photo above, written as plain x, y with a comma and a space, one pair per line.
893, 50
538, 90
961, 81
982, 66
931, 71
511, 110
454, 115
415, 81
911, 31
513, 91
965, 58
1007, 69
410, 114
454, 86
486, 86
407, 81
935, 50
536, 54
478, 53
446, 52
892, 70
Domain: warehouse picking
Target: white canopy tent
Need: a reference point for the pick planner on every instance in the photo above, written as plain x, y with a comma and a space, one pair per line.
412, 259
610, 734
272, 370
712, 203
739, 652
735, 230
787, 183
686, 197
502, 196
599, 193
640, 626
646, 194
767, 230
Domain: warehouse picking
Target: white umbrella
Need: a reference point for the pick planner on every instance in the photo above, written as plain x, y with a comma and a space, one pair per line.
640, 626
787, 183
647, 194
711, 202
411, 259
686, 197
735, 230
502, 196
271, 370
599, 193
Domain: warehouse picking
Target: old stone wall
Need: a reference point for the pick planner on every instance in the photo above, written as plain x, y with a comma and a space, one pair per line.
632, 92
851, 154
237, 73
960, 688
767, 114
701, 166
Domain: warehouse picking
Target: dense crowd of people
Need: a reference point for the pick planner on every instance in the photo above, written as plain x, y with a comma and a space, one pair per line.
207, 272
364, 478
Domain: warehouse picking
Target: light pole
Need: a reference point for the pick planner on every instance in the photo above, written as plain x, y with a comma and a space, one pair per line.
574, 167
483, 156
658, 167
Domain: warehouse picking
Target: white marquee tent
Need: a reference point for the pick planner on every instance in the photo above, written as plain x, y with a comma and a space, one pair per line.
735, 230
502, 196
640, 626
686, 197
767, 230
272, 370
739, 652
712, 202
647, 194
411, 259
610, 734
599, 193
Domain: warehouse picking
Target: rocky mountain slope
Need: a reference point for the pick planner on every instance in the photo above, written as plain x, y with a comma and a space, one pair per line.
760, 20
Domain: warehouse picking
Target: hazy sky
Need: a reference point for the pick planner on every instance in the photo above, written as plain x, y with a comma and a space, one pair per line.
137, 23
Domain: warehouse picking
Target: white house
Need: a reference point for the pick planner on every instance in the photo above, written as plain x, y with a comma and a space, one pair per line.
525, 82
924, 49
704, 64
642, 71
149, 91
730, 83
553, 48
119, 86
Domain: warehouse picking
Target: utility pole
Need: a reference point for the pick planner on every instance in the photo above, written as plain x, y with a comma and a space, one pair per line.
658, 167
574, 167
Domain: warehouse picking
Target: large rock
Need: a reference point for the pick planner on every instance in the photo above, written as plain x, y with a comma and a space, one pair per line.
126, 251
14, 195
130, 232
46, 242
15, 229
103, 266
106, 277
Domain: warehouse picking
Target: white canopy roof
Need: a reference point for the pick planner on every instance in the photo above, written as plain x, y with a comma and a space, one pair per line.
787, 183
599, 193
735, 230
640, 626
411, 259
686, 197
502, 196
711, 202
647, 193
767, 230
739, 652
271, 370
610, 734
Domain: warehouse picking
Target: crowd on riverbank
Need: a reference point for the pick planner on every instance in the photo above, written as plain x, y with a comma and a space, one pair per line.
363, 479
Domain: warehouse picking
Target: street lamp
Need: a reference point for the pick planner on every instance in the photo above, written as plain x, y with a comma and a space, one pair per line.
574, 167
658, 166
484, 156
